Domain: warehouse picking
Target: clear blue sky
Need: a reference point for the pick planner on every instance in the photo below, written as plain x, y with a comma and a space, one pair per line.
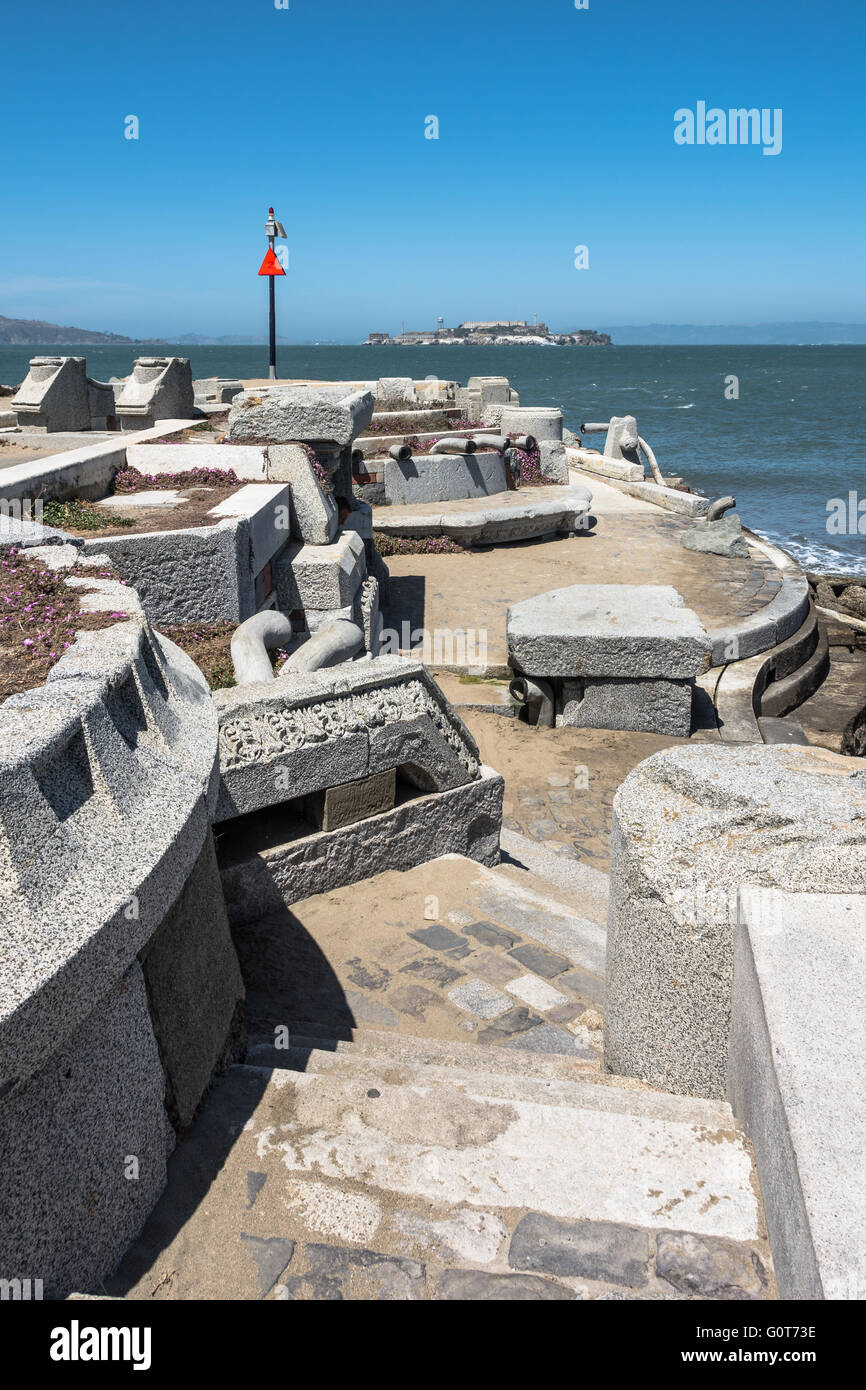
556, 129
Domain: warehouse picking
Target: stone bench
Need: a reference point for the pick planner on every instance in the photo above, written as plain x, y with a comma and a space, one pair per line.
622, 656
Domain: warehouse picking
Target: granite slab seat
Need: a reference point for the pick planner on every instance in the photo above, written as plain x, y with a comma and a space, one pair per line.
623, 656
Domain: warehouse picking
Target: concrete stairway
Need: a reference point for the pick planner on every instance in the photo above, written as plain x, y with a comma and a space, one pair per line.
448, 1131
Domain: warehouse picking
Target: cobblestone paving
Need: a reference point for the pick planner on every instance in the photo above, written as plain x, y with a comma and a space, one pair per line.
545, 1259
560, 783
475, 973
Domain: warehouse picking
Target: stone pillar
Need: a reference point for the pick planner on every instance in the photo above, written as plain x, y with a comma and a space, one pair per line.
690, 826
542, 421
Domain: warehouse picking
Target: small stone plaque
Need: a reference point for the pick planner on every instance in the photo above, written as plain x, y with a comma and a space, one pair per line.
352, 801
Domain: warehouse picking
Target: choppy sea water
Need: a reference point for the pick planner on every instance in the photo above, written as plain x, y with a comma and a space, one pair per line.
789, 444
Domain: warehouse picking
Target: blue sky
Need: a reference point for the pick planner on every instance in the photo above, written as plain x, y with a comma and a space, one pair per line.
555, 130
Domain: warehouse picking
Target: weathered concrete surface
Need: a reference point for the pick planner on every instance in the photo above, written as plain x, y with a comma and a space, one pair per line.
460, 820
620, 630
578, 1155
410, 1181
654, 706
194, 989
285, 414
314, 512
691, 825
85, 1141
796, 1080
443, 477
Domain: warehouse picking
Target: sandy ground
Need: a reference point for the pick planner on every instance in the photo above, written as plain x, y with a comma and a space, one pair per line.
560, 783
628, 545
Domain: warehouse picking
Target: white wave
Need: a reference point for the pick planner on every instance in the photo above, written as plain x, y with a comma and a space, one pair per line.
815, 555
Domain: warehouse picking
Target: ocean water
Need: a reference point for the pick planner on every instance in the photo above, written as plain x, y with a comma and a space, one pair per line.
790, 447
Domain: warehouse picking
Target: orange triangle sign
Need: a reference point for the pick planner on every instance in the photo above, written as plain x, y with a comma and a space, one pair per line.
270, 265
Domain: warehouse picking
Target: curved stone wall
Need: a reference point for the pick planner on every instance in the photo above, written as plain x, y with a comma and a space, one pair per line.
108, 779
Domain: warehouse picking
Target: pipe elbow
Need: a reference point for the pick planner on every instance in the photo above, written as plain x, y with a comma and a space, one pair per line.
251, 642
331, 644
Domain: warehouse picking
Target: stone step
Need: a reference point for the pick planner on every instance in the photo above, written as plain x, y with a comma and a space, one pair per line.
376, 1062
564, 921
769, 684
835, 715
350, 1183
557, 871
792, 683
411, 1050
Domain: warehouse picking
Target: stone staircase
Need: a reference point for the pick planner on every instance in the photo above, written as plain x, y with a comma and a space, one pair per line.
423, 1114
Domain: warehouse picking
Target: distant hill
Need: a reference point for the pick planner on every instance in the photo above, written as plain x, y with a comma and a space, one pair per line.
51, 334
692, 334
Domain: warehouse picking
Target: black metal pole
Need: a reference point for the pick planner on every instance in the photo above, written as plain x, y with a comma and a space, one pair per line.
272, 324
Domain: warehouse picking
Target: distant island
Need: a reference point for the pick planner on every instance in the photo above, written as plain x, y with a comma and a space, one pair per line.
483, 333
38, 332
